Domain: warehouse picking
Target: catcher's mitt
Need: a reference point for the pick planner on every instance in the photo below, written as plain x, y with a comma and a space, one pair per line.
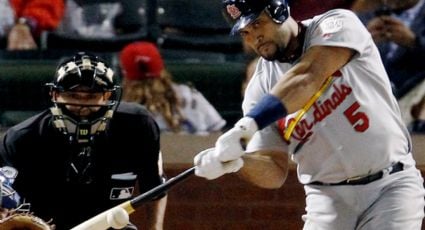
13, 220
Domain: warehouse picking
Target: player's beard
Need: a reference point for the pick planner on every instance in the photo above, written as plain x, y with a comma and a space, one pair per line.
280, 54
272, 52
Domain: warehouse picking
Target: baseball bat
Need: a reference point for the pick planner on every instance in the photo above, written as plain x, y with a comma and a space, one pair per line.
118, 216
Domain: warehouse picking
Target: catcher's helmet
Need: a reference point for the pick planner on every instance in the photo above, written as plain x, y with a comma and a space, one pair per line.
242, 12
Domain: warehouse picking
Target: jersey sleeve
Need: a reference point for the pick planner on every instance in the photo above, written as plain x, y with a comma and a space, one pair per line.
264, 78
340, 28
257, 86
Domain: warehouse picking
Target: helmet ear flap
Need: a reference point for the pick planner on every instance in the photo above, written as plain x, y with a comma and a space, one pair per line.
278, 10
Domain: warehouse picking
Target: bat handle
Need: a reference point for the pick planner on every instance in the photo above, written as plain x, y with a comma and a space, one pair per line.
137, 201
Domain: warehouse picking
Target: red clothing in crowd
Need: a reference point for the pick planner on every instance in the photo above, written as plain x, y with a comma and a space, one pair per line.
42, 14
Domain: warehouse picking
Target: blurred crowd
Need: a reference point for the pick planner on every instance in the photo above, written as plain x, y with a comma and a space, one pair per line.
397, 27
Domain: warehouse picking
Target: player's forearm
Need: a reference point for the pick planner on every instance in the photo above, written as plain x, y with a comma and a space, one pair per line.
305, 78
156, 213
266, 170
290, 94
296, 87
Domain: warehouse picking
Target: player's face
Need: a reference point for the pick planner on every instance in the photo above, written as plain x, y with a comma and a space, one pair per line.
81, 102
266, 37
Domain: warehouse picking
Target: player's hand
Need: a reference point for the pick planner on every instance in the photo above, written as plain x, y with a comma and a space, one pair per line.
231, 145
210, 167
229, 148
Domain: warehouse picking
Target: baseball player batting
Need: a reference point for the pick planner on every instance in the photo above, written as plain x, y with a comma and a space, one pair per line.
320, 95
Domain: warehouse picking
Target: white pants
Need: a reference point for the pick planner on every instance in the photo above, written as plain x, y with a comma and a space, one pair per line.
393, 202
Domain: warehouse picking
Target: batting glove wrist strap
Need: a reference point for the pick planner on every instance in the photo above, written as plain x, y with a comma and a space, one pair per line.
248, 126
268, 110
231, 145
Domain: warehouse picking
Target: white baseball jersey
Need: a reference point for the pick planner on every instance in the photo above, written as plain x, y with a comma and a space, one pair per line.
200, 115
354, 128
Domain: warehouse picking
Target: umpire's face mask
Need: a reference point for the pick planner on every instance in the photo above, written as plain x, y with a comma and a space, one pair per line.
81, 131
81, 102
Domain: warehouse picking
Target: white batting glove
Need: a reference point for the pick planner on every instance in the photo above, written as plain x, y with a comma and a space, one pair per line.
231, 145
210, 167
229, 148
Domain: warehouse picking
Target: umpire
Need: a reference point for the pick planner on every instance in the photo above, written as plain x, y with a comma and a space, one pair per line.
88, 152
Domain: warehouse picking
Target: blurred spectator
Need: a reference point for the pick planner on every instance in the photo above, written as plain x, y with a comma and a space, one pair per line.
102, 19
22, 21
398, 29
362, 6
176, 107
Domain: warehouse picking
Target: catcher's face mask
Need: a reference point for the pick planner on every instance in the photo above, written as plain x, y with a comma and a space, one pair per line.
80, 103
